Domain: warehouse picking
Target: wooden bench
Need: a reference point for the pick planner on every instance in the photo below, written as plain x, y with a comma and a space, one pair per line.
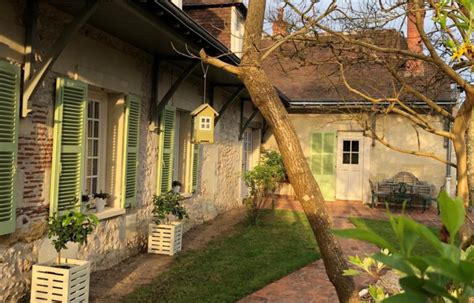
404, 186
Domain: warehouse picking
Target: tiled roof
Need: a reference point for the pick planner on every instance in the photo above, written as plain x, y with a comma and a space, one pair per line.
308, 71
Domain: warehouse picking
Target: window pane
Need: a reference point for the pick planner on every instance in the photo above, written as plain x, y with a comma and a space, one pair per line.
94, 185
316, 143
89, 129
96, 148
346, 158
89, 147
90, 110
96, 129
316, 164
329, 143
89, 167
94, 167
355, 146
346, 145
88, 186
96, 110
328, 164
355, 158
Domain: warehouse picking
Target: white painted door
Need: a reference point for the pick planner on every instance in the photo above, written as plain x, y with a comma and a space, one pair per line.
247, 148
349, 170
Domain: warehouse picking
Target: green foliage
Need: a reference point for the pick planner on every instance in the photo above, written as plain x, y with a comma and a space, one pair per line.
455, 21
71, 226
235, 264
168, 204
262, 181
447, 276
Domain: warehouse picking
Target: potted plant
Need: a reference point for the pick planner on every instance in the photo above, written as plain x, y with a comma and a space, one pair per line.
100, 201
165, 236
66, 280
176, 186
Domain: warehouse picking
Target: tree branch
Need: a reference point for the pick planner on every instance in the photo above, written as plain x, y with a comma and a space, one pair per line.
219, 63
374, 136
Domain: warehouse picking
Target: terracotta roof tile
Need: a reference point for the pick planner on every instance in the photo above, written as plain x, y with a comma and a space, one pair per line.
309, 71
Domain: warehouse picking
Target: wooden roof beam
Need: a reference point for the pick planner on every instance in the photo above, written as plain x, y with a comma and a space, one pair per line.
59, 45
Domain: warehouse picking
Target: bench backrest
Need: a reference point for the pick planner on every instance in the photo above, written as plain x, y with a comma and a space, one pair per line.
415, 186
405, 177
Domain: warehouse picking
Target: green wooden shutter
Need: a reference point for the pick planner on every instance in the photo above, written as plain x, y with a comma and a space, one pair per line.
195, 167
166, 151
322, 163
131, 140
68, 144
9, 104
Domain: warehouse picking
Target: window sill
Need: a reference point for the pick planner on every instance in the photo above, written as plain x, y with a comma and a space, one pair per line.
186, 196
109, 213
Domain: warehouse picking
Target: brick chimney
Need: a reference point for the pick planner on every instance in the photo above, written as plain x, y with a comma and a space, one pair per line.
414, 41
279, 26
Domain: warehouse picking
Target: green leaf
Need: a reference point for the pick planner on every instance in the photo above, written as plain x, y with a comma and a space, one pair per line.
365, 235
406, 297
395, 261
463, 272
419, 262
452, 213
351, 272
436, 289
468, 254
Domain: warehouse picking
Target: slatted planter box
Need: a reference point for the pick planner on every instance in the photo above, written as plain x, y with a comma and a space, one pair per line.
54, 284
165, 239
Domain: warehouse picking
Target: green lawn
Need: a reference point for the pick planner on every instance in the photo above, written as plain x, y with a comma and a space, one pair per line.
236, 265
383, 228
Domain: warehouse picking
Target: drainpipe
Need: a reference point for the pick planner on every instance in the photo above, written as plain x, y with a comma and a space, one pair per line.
447, 183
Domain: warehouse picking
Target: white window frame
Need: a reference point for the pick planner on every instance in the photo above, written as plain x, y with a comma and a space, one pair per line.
205, 123
102, 98
351, 152
102, 123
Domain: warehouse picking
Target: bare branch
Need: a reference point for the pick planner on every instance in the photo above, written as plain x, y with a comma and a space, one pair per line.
219, 63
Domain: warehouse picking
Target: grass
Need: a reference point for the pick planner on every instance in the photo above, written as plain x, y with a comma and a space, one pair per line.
383, 228
236, 265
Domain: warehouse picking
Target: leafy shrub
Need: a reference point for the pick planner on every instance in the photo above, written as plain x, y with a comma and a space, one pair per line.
71, 226
262, 182
168, 204
445, 277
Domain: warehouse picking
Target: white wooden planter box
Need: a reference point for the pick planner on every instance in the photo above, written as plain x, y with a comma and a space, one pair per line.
54, 284
165, 239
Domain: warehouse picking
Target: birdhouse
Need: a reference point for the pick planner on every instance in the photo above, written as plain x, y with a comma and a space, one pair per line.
203, 124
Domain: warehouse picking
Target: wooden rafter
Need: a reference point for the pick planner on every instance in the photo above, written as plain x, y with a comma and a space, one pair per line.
246, 124
59, 45
232, 98
154, 93
172, 90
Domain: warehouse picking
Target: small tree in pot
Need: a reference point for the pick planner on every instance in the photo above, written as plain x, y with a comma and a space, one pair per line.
66, 280
165, 236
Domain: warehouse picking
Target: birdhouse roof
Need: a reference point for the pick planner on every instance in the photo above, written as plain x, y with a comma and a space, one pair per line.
203, 107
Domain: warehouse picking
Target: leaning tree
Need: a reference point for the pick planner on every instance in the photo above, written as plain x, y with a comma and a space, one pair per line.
266, 99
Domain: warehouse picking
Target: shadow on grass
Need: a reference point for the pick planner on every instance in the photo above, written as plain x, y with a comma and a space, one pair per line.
238, 264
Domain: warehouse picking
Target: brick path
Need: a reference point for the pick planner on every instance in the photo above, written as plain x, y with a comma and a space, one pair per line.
310, 283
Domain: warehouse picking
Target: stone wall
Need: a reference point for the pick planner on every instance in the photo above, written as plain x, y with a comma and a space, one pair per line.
123, 236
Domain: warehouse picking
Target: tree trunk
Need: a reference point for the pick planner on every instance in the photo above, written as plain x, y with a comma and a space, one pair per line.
266, 99
459, 130
470, 158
